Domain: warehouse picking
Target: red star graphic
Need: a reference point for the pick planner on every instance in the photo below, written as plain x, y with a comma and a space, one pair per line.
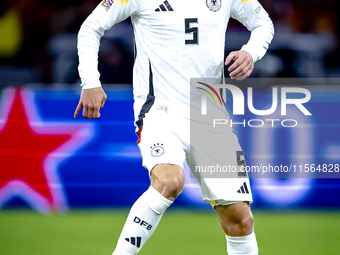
25, 150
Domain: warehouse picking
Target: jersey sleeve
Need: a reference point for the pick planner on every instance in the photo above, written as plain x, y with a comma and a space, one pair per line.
106, 14
253, 16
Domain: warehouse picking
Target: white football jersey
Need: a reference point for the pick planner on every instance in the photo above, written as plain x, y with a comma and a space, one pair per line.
175, 40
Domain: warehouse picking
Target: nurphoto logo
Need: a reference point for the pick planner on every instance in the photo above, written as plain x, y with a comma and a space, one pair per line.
239, 104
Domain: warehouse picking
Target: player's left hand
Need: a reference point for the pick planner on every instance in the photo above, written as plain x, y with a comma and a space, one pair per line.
243, 65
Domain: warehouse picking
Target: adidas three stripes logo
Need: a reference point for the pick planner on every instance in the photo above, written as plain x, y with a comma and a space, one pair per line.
165, 6
132, 240
243, 189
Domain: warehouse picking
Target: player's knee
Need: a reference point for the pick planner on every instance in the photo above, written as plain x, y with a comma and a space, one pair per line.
238, 226
236, 220
242, 220
171, 187
241, 223
168, 180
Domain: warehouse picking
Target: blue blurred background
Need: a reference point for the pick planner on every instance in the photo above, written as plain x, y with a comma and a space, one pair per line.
100, 167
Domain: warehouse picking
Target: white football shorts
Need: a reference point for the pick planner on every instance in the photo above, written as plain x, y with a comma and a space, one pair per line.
164, 138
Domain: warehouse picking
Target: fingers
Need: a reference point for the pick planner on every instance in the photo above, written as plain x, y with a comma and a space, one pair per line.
103, 102
91, 112
231, 56
236, 64
242, 67
240, 70
85, 112
96, 113
91, 101
246, 75
79, 107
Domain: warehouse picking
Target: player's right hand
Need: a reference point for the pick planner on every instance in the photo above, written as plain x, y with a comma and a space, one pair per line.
91, 101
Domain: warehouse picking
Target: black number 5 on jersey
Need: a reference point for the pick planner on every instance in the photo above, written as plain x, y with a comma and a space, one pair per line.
191, 30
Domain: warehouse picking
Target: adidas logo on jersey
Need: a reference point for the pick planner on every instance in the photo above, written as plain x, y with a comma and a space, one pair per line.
243, 189
132, 240
165, 6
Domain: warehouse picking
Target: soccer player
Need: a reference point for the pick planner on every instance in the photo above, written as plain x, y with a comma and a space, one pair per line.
176, 40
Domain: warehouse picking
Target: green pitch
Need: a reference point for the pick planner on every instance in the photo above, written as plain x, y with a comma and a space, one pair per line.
180, 232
